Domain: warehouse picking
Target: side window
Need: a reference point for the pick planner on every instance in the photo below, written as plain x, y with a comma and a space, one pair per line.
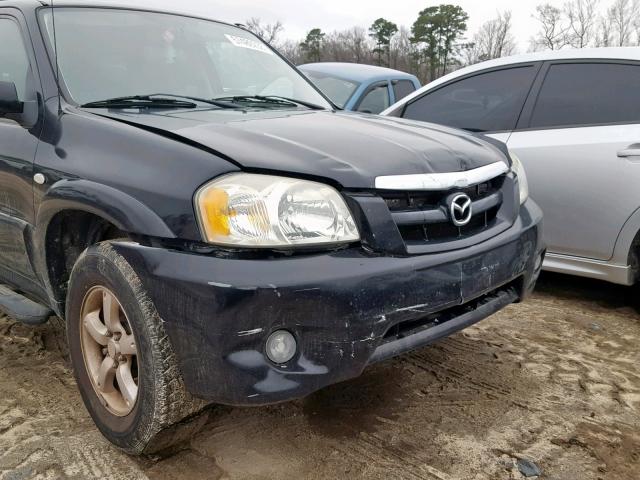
14, 62
588, 93
376, 100
403, 88
486, 102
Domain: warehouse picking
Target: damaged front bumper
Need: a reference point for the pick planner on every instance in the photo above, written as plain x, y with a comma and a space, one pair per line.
346, 309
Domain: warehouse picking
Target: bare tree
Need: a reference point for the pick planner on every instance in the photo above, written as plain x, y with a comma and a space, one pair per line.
604, 36
359, 44
402, 51
582, 18
493, 40
333, 48
623, 16
353, 46
553, 29
291, 51
269, 32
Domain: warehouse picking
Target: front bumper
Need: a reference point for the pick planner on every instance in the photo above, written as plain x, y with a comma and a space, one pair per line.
347, 309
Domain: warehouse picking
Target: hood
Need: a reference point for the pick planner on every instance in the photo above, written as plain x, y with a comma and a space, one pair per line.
346, 148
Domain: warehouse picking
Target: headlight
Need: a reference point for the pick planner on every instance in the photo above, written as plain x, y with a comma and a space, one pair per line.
518, 169
250, 210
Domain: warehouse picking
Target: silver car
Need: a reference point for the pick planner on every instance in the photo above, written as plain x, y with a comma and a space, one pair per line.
573, 118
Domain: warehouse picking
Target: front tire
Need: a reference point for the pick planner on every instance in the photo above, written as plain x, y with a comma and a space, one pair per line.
122, 359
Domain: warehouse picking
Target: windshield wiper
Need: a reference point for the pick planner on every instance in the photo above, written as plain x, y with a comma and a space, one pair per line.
270, 100
198, 99
157, 100
312, 106
140, 101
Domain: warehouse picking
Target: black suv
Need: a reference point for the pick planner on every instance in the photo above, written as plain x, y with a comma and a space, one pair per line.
213, 230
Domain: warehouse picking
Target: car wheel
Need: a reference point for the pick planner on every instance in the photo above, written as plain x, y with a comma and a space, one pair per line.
122, 359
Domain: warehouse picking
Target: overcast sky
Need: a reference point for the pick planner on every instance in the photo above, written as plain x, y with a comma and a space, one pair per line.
299, 16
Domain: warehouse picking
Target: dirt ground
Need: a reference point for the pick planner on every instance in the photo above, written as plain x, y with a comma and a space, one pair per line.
555, 381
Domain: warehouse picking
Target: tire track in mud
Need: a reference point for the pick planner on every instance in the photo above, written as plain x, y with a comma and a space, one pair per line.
582, 354
45, 432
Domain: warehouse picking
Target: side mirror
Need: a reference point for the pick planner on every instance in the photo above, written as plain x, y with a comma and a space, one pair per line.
9, 101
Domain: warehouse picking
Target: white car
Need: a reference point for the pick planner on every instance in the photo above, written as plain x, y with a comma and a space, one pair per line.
573, 118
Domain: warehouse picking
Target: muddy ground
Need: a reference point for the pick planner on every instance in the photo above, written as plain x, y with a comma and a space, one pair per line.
555, 380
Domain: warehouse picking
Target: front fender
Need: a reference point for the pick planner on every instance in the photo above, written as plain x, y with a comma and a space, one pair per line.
122, 210
125, 212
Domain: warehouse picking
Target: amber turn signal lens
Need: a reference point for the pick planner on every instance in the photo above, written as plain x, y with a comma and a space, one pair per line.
214, 205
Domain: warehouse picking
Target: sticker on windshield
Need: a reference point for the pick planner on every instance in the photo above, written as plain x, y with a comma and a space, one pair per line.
243, 42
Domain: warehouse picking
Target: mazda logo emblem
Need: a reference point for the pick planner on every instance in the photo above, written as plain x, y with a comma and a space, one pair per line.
461, 209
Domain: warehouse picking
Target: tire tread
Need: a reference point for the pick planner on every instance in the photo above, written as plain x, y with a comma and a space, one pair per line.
172, 402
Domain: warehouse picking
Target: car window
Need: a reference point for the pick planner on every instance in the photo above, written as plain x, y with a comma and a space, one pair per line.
376, 100
173, 54
486, 102
403, 88
14, 62
337, 89
583, 94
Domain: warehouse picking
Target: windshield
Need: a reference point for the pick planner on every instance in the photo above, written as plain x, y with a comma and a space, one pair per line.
107, 53
337, 89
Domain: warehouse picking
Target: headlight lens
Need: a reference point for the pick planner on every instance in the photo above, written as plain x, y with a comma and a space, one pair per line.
518, 169
251, 210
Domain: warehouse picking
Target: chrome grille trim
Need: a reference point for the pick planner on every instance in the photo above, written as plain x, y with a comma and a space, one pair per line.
442, 181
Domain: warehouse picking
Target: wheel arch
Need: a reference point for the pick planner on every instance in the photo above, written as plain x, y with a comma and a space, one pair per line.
634, 256
75, 214
127, 213
627, 249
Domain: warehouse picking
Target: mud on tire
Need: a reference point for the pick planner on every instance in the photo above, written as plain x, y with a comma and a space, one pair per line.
162, 400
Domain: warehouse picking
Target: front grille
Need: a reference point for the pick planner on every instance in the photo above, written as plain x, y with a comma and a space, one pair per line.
446, 231
424, 220
411, 201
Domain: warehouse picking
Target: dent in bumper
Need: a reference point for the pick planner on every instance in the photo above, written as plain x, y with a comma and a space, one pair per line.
219, 311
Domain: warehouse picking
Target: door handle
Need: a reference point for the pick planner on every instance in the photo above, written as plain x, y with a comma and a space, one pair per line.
630, 151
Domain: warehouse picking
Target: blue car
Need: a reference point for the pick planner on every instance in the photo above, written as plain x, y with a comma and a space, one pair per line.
361, 88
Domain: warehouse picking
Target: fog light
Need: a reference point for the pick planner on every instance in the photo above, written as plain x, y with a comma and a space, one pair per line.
281, 346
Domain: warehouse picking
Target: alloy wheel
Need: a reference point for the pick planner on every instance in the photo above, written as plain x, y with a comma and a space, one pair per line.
110, 351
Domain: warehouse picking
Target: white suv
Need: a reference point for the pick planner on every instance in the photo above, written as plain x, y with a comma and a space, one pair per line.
573, 118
